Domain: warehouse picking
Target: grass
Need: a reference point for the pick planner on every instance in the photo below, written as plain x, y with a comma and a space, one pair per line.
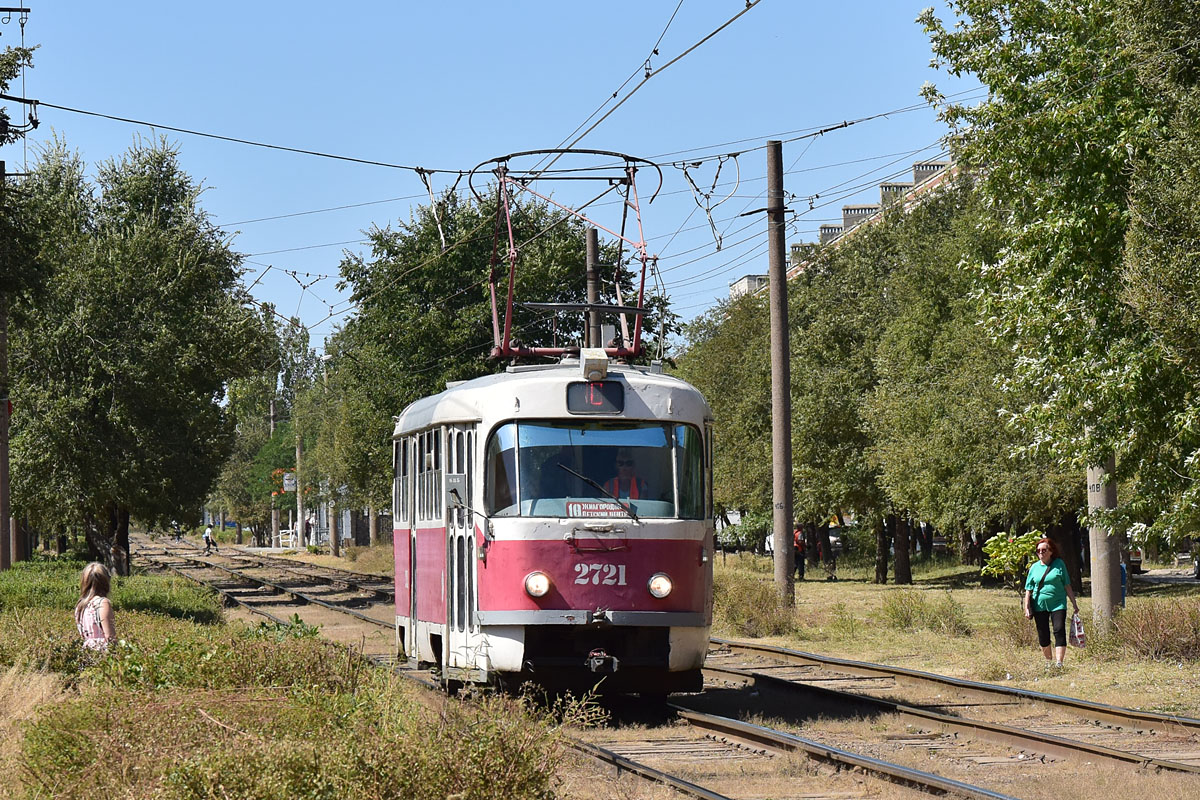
54, 583
178, 709
951, 622
377, 560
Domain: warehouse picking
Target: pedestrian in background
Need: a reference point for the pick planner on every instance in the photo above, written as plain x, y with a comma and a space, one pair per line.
94, 613
798, 551
1047, 588
210, 543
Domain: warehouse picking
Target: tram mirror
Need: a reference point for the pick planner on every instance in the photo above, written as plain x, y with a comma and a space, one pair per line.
456, 488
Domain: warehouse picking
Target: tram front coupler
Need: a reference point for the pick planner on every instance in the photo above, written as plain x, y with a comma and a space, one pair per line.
601, 663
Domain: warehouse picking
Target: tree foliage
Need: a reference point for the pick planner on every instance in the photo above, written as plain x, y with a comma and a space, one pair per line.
1055, 147
121, 374
424, 318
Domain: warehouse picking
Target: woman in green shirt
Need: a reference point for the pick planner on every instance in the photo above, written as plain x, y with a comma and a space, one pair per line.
1047, 589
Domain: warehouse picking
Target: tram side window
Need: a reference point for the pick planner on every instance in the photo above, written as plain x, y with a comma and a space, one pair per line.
438, 500
708, 470
500, 473
400, 459
422, 489
689, 448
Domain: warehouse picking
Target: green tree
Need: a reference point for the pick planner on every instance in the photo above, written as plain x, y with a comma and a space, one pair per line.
727, 357
943, 450
1161, 271
424, 318
124, 369
1053, 148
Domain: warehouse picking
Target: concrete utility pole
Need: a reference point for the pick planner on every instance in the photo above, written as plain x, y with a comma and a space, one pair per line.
301, 534
274, 541
781, 381
335, 544
592, 338
1106, 548
7, 542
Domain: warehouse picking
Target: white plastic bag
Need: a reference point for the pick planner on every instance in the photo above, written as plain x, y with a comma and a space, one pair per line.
1076, 636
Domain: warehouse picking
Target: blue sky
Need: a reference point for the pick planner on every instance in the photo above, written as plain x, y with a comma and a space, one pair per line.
448, 85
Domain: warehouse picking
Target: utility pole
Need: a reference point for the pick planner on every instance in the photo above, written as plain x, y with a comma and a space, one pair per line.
7, 542
274, 542
301, 534
781, 381
335, 545
1106, 548
592, 336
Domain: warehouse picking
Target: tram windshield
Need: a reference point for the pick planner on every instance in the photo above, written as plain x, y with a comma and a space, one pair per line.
584, 469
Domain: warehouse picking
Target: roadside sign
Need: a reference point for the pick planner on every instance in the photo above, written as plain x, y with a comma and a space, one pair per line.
289, 481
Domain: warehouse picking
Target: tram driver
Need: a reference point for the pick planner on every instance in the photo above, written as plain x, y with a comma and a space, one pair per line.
626, 483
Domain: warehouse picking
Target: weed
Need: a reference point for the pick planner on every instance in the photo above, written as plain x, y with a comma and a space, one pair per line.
745, 605
910, 610
844, 622
1156, 629
379, 559
1015, 629
295, 628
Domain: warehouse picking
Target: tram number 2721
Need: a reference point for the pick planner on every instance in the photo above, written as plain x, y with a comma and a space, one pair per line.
600, 574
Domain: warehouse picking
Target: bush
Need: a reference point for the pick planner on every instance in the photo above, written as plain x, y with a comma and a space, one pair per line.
1155, 628
380, 559
745, 605
1016, 630
40, 639
910, 610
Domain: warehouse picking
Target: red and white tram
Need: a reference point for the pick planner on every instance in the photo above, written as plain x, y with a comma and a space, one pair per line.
554, 523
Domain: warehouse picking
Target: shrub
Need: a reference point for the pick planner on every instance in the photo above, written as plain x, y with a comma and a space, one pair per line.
40, 639
1158, 629
910, 610
1015, 629
746, 605
379, 559
1008, 556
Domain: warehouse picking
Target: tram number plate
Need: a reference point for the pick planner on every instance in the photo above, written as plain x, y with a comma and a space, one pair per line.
600, 574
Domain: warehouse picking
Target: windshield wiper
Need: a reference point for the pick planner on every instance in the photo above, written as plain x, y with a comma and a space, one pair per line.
606, 492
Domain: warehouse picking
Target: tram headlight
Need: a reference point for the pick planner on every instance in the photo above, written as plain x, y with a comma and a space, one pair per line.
660, 585
537, 584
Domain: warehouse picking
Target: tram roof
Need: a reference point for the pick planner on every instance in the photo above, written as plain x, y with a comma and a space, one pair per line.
530, 392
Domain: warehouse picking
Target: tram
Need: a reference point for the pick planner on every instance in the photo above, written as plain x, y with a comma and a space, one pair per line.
553, 524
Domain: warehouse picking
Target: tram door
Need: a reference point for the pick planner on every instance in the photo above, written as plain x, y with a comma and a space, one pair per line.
408, 487
404, 532
464, 656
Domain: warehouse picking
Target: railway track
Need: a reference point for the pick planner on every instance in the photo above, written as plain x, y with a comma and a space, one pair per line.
832, 725
762, 757
348, 607
1038, 723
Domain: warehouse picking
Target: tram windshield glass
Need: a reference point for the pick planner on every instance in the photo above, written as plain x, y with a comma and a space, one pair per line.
584, 469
